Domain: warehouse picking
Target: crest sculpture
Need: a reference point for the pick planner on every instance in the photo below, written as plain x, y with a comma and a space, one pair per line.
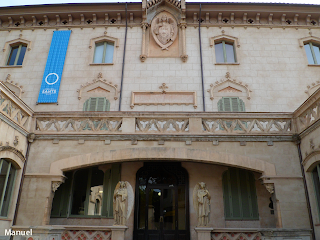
201, 203
164, 29
122, 202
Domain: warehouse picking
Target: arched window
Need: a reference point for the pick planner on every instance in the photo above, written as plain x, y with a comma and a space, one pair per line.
7, 176
87, 192
16, 54
103, 52
239, 194
96, 104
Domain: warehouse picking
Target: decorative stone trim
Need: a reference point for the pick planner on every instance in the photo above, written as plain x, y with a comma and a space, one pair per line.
11, 84
302, 41
18, 40
312, 86
230, 82
224, 37
99, 82
269, 187
175, 3
13, 150
55, 186
102, 39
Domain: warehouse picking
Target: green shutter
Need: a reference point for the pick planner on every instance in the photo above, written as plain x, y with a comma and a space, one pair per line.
92, 104
107, 108
234, 104
226, 104
85, 105
96, 104
220, 105
101, 104
231, 104
240, 199
241, 106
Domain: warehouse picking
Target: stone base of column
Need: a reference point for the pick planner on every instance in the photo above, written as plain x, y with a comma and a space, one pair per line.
118, 232
203, 233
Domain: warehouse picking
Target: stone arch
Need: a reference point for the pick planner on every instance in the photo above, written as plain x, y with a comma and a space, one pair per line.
163, 153
311, 160
13, 154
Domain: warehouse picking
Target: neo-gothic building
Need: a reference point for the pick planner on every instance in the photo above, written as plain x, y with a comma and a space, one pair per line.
160, 120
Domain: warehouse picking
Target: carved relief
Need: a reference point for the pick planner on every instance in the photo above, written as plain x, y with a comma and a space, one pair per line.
55, 186
164, 30
228, 84
98, 85
312, 88
269, 187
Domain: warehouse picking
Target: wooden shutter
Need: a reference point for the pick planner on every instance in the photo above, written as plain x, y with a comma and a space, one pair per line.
231, 104
240, 199
96, 104
100, 104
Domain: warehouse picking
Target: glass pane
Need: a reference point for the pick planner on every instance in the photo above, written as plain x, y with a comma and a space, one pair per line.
169, 211
13, 55
219, 53
154, 209
21, 55
316, 51
8, 192
96, 192
109, 53
142, 207
98, 53
309, 54
80, 181
182, 208
230, 52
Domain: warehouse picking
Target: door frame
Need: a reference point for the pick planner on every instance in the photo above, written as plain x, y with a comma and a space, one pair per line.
176, 169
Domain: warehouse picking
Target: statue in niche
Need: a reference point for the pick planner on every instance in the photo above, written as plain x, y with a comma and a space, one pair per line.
164, 30
201, 203
120, 198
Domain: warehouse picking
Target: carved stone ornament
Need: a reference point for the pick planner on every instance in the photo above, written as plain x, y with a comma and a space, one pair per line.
201, 204
229, 80
14, 87
122, 202
312, 88
100, 81
269, 187
16, 141
164, 29
55, 186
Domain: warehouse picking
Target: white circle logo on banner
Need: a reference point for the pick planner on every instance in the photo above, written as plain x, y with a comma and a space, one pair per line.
54, 81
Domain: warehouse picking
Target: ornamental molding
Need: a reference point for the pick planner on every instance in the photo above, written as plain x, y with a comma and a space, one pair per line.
175, 3
13, 86
269, 187
312, 88
13, 150
224, 37
102, 39
18, 40
98, 83
232, 83
55, 185
302, 41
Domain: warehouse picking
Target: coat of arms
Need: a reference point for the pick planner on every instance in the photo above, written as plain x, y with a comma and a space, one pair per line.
164, 30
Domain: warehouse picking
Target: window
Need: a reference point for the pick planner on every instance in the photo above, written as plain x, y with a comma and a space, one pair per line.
231, 104
316, 181
103, 52
313, 52
87, 192
7, 177
16, 55
225, 52
96, 104
239, 193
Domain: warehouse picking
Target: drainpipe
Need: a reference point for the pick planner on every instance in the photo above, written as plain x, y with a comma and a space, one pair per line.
200, 47
124, 56
297, 140
30, 136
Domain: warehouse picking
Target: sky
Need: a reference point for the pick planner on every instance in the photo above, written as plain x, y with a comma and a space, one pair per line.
4, 3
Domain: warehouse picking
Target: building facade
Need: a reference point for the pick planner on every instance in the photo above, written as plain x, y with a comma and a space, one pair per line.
160, 120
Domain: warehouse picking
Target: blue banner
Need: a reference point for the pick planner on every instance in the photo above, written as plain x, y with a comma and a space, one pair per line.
52, 74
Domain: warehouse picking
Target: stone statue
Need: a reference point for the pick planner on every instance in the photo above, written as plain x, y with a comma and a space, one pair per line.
120, 198
201, 203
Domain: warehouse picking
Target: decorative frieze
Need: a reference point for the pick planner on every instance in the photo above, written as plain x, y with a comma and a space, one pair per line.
86, 235
162, 125
236, 235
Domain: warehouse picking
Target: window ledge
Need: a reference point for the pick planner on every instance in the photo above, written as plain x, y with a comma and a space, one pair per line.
12, 66
313, 65
5, 219
227, 64
99, 64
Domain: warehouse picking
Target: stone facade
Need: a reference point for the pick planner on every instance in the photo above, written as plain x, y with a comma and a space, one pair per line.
157, 98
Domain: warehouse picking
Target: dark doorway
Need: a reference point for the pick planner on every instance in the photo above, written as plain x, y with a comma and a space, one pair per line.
162, 202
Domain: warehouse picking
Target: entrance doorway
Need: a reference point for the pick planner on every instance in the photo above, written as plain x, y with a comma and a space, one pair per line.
162, 202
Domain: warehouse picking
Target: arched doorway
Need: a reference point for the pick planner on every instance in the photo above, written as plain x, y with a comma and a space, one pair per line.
162, 202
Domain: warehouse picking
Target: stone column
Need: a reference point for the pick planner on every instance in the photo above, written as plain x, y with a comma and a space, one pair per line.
143, 55
203, 233
184, 55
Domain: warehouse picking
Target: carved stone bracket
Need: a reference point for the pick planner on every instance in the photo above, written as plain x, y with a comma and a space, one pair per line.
312, 87
269, 187
100, 82
228, 80
55, 185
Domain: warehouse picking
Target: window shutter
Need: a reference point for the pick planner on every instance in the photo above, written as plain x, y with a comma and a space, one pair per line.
85, 105
227, 104
101, 104
107, 105
241, 106
92, 104
234, 104
220, 105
